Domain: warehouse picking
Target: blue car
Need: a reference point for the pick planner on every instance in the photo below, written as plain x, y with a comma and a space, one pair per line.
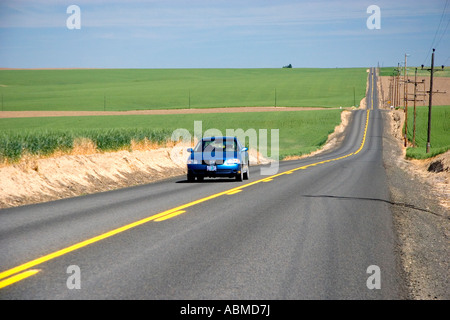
218, 157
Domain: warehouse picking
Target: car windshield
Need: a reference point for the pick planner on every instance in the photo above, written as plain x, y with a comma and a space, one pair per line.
224, 145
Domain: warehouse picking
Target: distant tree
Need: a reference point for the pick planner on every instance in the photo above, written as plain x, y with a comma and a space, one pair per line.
288, 66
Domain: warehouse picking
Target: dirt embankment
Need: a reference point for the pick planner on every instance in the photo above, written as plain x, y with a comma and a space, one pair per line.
433, 171
86, 171
35, 179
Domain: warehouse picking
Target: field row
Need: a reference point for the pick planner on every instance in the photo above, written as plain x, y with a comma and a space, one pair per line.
137, 89
299, 132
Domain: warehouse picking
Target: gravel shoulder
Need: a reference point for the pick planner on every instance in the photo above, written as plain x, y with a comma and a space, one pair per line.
420, 215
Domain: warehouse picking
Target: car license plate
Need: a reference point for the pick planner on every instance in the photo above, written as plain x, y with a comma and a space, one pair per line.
211, 168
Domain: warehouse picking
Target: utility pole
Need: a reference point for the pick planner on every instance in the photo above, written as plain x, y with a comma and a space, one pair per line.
390, 91
415, 82
396, 91
415, 96
393, 90
405, 94
430, 103
397, 88
414, 116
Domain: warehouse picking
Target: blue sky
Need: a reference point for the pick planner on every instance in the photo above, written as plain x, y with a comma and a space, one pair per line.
221, 34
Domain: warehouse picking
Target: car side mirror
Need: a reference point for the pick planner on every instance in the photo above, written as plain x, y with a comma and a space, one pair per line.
190, 150
244, 149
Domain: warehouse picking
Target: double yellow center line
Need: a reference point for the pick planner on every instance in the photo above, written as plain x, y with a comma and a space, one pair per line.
23, 271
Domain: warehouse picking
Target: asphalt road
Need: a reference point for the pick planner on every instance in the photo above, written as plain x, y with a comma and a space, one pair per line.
309, 232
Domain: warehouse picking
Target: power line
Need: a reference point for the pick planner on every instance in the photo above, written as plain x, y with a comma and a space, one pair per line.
446, 60
442, 35
437, 30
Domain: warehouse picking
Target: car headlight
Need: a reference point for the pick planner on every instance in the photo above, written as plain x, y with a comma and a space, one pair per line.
232, 161
193, 161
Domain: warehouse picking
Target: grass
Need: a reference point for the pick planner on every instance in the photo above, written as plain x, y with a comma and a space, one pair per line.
440, 131
14, 144
299, 132
133, 89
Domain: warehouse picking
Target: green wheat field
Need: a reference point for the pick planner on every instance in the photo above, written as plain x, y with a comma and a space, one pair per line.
300, 132
440, 131
138, 89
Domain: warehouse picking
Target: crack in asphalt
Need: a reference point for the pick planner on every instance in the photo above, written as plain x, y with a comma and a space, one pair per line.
399, 204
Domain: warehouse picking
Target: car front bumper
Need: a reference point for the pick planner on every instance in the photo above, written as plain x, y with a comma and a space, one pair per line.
222, 170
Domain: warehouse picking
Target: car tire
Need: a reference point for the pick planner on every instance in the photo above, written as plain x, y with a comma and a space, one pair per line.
200, 178
240, 176
247, 173
190, 177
